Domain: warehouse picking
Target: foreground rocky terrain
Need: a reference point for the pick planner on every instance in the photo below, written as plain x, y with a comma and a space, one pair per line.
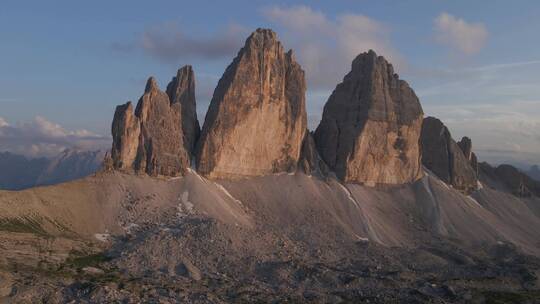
379, 205
282, 237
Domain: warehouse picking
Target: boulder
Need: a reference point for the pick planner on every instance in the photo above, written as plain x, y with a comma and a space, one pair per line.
370, 128
256, 121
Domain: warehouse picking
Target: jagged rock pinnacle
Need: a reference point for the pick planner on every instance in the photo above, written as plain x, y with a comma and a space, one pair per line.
256, 121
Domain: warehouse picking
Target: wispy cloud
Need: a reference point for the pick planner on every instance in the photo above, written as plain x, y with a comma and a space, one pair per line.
467, 38
496, 105
499, 66
41, 137
326, 46
170, 43
492, 80
512, 127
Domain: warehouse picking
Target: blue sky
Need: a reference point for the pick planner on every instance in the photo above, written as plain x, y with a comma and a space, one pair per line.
66, 64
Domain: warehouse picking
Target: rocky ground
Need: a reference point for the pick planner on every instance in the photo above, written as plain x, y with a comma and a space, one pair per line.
189, 257
170, 264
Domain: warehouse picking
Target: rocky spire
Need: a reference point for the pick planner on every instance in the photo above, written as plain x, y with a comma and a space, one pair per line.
151, 140
442, 156
125, 131
256, 120
465, 144
181, 91
371, 124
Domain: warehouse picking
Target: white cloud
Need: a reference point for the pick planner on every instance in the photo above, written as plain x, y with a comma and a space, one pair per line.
326, 47
501, 132
495, 104
3, 122
468, 38
41, 137
298, 18
171, 43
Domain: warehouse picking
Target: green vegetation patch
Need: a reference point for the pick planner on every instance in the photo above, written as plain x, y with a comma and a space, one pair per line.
91, 260
22, 225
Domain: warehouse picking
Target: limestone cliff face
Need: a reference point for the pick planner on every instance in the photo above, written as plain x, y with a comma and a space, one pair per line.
161, 148
442, 155
465, 144
310, 160
370, 128
151, 140
256, 120
181, 91
125, 132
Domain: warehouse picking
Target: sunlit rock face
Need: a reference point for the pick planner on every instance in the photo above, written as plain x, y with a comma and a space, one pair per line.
150, 140
370, 128
256, 121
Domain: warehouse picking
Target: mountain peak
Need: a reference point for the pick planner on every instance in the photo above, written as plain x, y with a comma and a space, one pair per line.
181, 92
152, 139
151, 85
371, 125
257, 119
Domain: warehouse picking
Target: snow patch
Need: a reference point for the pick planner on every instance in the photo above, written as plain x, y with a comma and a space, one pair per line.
479, 185
185, 200
362, 239
192, 171
131, 226
184, 205
442, 183
349, 195
474, 201
220, 187
102, 237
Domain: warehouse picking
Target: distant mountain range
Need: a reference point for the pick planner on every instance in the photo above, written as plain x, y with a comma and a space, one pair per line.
19, 172
534, 172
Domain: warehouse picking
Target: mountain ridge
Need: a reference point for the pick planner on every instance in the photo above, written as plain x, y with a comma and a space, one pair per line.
19, 172
379, 204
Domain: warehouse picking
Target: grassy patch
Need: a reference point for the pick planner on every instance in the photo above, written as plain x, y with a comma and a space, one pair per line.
91, 260
22, 225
